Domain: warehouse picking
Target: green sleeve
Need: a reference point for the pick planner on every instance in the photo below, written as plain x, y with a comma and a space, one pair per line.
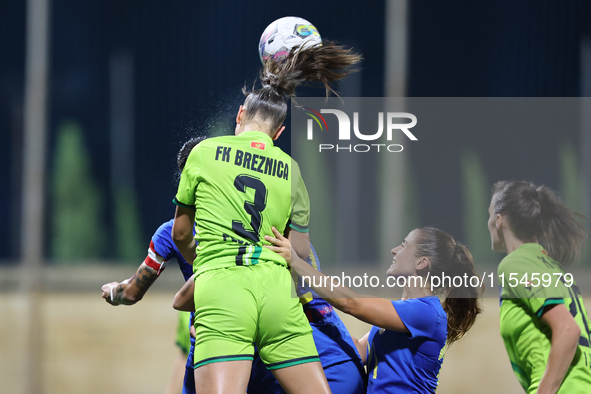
300, 203
535, 298
185, 196
538, 305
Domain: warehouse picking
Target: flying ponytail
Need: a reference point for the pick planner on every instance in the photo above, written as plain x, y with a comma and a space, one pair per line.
324, 63
450, 259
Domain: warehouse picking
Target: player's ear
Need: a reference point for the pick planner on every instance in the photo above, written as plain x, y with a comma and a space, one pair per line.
278, 133
240, 114
422, 263
499, 221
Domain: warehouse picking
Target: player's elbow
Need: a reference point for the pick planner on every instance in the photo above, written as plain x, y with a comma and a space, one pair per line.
568, 332
181, 304
176, 304
573, 331
348, 305
181, 236
303, 250
300, 243
572, 334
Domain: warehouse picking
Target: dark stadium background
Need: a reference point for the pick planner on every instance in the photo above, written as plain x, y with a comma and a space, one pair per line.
191, 58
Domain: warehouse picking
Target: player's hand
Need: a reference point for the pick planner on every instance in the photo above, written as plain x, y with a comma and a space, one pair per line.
107, 292
282, 245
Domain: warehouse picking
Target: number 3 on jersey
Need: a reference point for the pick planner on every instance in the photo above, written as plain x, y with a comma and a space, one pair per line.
253, 209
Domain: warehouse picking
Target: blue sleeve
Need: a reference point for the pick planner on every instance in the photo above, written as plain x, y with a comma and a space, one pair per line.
162, 241
419, 316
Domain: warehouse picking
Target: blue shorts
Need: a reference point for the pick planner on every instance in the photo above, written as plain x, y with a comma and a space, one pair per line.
189, 382
347, 377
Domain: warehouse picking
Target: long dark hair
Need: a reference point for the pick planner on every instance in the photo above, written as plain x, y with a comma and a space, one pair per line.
449, 258
183, 155
535, 213
324, 63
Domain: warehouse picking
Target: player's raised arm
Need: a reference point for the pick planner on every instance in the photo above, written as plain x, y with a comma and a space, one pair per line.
377, 311
402, 326
461, 310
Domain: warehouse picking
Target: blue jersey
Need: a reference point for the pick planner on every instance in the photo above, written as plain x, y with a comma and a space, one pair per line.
162, 250
400, 362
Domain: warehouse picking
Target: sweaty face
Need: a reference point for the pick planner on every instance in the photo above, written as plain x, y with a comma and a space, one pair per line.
404, 260
496, 235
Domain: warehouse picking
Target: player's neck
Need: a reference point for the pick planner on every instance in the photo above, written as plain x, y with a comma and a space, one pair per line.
416, 292
250, 127
512, 242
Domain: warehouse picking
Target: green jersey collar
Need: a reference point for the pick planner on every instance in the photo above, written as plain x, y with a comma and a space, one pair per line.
258, 134
533, 247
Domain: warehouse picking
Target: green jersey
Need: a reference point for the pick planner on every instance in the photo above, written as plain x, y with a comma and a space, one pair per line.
241, 186
530, 281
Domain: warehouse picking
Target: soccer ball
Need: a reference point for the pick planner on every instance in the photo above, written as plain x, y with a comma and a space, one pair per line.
285, 33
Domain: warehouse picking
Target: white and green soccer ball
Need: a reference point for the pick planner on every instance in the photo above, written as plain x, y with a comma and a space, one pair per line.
285, 33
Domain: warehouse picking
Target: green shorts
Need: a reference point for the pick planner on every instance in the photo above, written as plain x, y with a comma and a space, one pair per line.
239, 307
183, 335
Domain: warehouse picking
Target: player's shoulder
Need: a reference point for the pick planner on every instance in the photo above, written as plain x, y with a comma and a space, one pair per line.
161, 242
214, 141
527, 258
285, 157
294, 164
372, 332
165, 229
163, 233
208, 147
421, 305
524, 257
239, 141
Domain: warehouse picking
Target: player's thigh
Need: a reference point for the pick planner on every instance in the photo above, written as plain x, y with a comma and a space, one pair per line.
284, 336
225, 317
347, 377
305, 378
228, 377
